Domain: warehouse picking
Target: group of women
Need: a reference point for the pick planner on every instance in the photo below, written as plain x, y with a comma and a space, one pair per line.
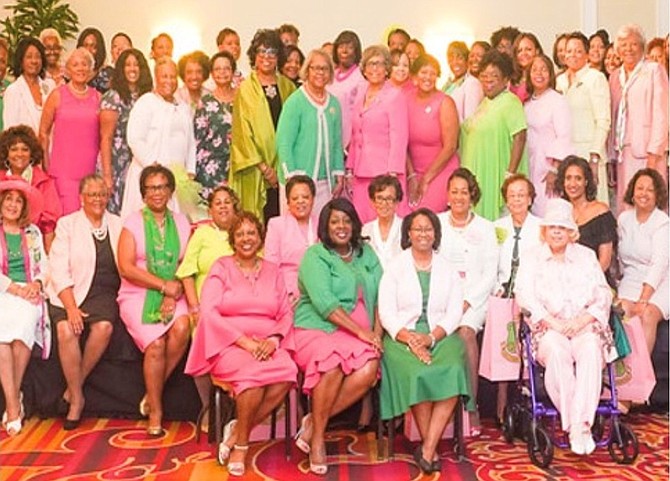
378, 193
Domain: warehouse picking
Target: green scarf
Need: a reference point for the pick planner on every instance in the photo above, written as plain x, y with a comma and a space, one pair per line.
162, 256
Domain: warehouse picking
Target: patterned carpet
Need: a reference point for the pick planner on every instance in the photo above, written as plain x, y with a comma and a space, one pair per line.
120, 450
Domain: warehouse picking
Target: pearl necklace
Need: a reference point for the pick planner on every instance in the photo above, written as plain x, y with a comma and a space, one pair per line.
77, 91
425, 268
348, 254
459, 224
100, 233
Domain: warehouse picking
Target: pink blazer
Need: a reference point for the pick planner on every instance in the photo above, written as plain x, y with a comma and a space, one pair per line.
72, 255
379, 134
647, 122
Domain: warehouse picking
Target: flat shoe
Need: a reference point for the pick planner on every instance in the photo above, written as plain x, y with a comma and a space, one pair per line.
300, 443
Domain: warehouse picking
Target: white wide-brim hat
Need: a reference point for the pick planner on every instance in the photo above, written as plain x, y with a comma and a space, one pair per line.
559, 213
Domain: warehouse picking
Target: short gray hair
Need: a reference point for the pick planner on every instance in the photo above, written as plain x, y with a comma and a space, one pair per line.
626, 31
374, 51
84, 53
310, 58
50, 33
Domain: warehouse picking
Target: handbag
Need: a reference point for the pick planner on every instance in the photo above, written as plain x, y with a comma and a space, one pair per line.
500, 347
634, 375
621, 342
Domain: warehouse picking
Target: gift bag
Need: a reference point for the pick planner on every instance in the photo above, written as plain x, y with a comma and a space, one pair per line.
500, 350
634, 374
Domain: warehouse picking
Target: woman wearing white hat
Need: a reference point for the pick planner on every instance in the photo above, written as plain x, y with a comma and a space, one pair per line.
564, 289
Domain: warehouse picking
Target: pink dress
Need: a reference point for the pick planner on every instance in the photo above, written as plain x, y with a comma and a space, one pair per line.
75, 144
425, 142
232, 306
345, 87
131, 297
549, 137
317, 352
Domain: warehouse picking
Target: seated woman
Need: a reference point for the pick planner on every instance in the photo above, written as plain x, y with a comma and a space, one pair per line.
83, 285
563, 287
290, 234
424, 365
385, 194
151, 245
206, 245
337, 335
643, 251
24, 269
244, 336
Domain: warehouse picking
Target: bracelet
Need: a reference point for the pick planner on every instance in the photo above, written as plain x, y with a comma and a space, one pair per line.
508, 174
163, 287
411, 176
432, 340
553, 170
643, 301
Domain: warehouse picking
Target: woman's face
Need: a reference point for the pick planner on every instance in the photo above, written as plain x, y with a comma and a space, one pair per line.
266, 60
375, 70
493, 81
422, 234
318, 73
413, 51
166, 81
458, 195
575, 55
157, 192
630, 51
12, 206
18, 157
400, 70
657, 54
193, 76
525, 52
518, 198
476, 54
457, 64
119, 44
557, 238
292, 66
596, 50
131, 70
52, 50
32, 62
385, 202
644, 194
78, 68
246, 240
222, 209
575, 183
90, 44
231, 44
162, 47
94, 199
300, 202
346, 54
222, 72
426, 78
560, 50
612, 60
539, 75
340, 228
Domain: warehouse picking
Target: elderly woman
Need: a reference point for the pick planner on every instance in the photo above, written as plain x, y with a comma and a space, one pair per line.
130, 81
420, 308
291, 234
256, 110
432, 139
639, 110
151, 302
385, 193
471, 249
193, 71
379, 130
549, 130
493, 139
399, 76
21, 156
53, 48
244, 336
337, 333
588, 97
120, 43
293, 62
92, 40
462, 87
562, 286
213, 122
643, 251
70, 130
24, 269
160, 130
26, 97
309, 134
83, 285
526, 47
477, 51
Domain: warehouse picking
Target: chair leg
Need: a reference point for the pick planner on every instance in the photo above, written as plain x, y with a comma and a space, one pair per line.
380, 423
287, 426
218, 418
391, 429
459, 435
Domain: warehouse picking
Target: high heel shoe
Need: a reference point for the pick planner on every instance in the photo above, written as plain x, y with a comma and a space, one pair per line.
224, 450
144, 406
155, 431
425, 466
13, 427
320, 469
300, 443
237, 468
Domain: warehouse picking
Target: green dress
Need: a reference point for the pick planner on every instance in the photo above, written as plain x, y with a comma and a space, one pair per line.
406, 381
486, 144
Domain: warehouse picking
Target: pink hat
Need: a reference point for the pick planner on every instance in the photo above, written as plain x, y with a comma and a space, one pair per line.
34, 196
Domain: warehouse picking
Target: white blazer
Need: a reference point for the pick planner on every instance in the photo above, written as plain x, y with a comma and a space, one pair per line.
529, 237
385, 250
19, 105
400, 299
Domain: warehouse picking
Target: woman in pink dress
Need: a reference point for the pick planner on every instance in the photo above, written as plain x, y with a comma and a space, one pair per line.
526, 47
70, 125
151, 301
433, 138
244, 336
549, 130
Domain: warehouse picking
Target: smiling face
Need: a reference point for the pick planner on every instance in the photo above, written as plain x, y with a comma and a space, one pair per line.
397, 41
476, 54
94, 199
493, 81
292, 66
222, 71
340, 229
266, 60
12, 206
52, 50
90, 44
575, 55
413, 51
193, 76
518, 198
375, 70
246, 240
459, 197
157, 192
385, 202
79, 67
346, 54
318, 72
300, 201
31, 64
162, 47
560, 50
18, 156
422, 234
644, 194
426, 78
231, 44
525, 52
612, 60
119, 44
557, 238
222, 209
166, 80
457, 64
400, 70
131, 70
539, 75
596, 50
575, 183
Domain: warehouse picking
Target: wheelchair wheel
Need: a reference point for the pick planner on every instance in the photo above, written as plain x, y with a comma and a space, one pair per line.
598, 428
508, 424
623, 445
540, 447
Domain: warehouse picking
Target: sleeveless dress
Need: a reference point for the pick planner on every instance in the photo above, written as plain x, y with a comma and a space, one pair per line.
602, 229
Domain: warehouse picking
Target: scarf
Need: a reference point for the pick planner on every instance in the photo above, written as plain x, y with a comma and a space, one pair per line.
622, 110
5, 254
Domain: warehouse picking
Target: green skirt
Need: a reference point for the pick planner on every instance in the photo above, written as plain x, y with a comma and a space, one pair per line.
406, 381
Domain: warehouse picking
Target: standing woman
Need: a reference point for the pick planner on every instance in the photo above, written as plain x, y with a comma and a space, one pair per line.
400, 67
477, 52
70, 130
589, 98
293, 62
24, 270
309, 134
432, 140
526, 47
4, 82
462, 87
120, 43
151, 302
612, 60
597, 44
25, 98
256, 110
549, 130
130, 81
213, 121
91, 39
380, 129
559, 52
193, 71
53, 48
493, 139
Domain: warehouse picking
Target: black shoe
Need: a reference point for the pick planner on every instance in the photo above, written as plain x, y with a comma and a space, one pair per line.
62, 407
71, 424
436, 465
426, 466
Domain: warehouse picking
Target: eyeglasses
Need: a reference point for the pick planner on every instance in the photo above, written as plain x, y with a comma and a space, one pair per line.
385, 200
222, 69
319, 68
422, 230
150, 189
95, 195
53, 50
375, 64
267, 52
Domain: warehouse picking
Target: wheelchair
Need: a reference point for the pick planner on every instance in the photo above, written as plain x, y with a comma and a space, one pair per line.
531, 416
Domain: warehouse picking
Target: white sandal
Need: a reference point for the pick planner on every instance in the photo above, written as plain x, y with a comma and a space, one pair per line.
13, 427
224, 449
300, 443
237, 468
